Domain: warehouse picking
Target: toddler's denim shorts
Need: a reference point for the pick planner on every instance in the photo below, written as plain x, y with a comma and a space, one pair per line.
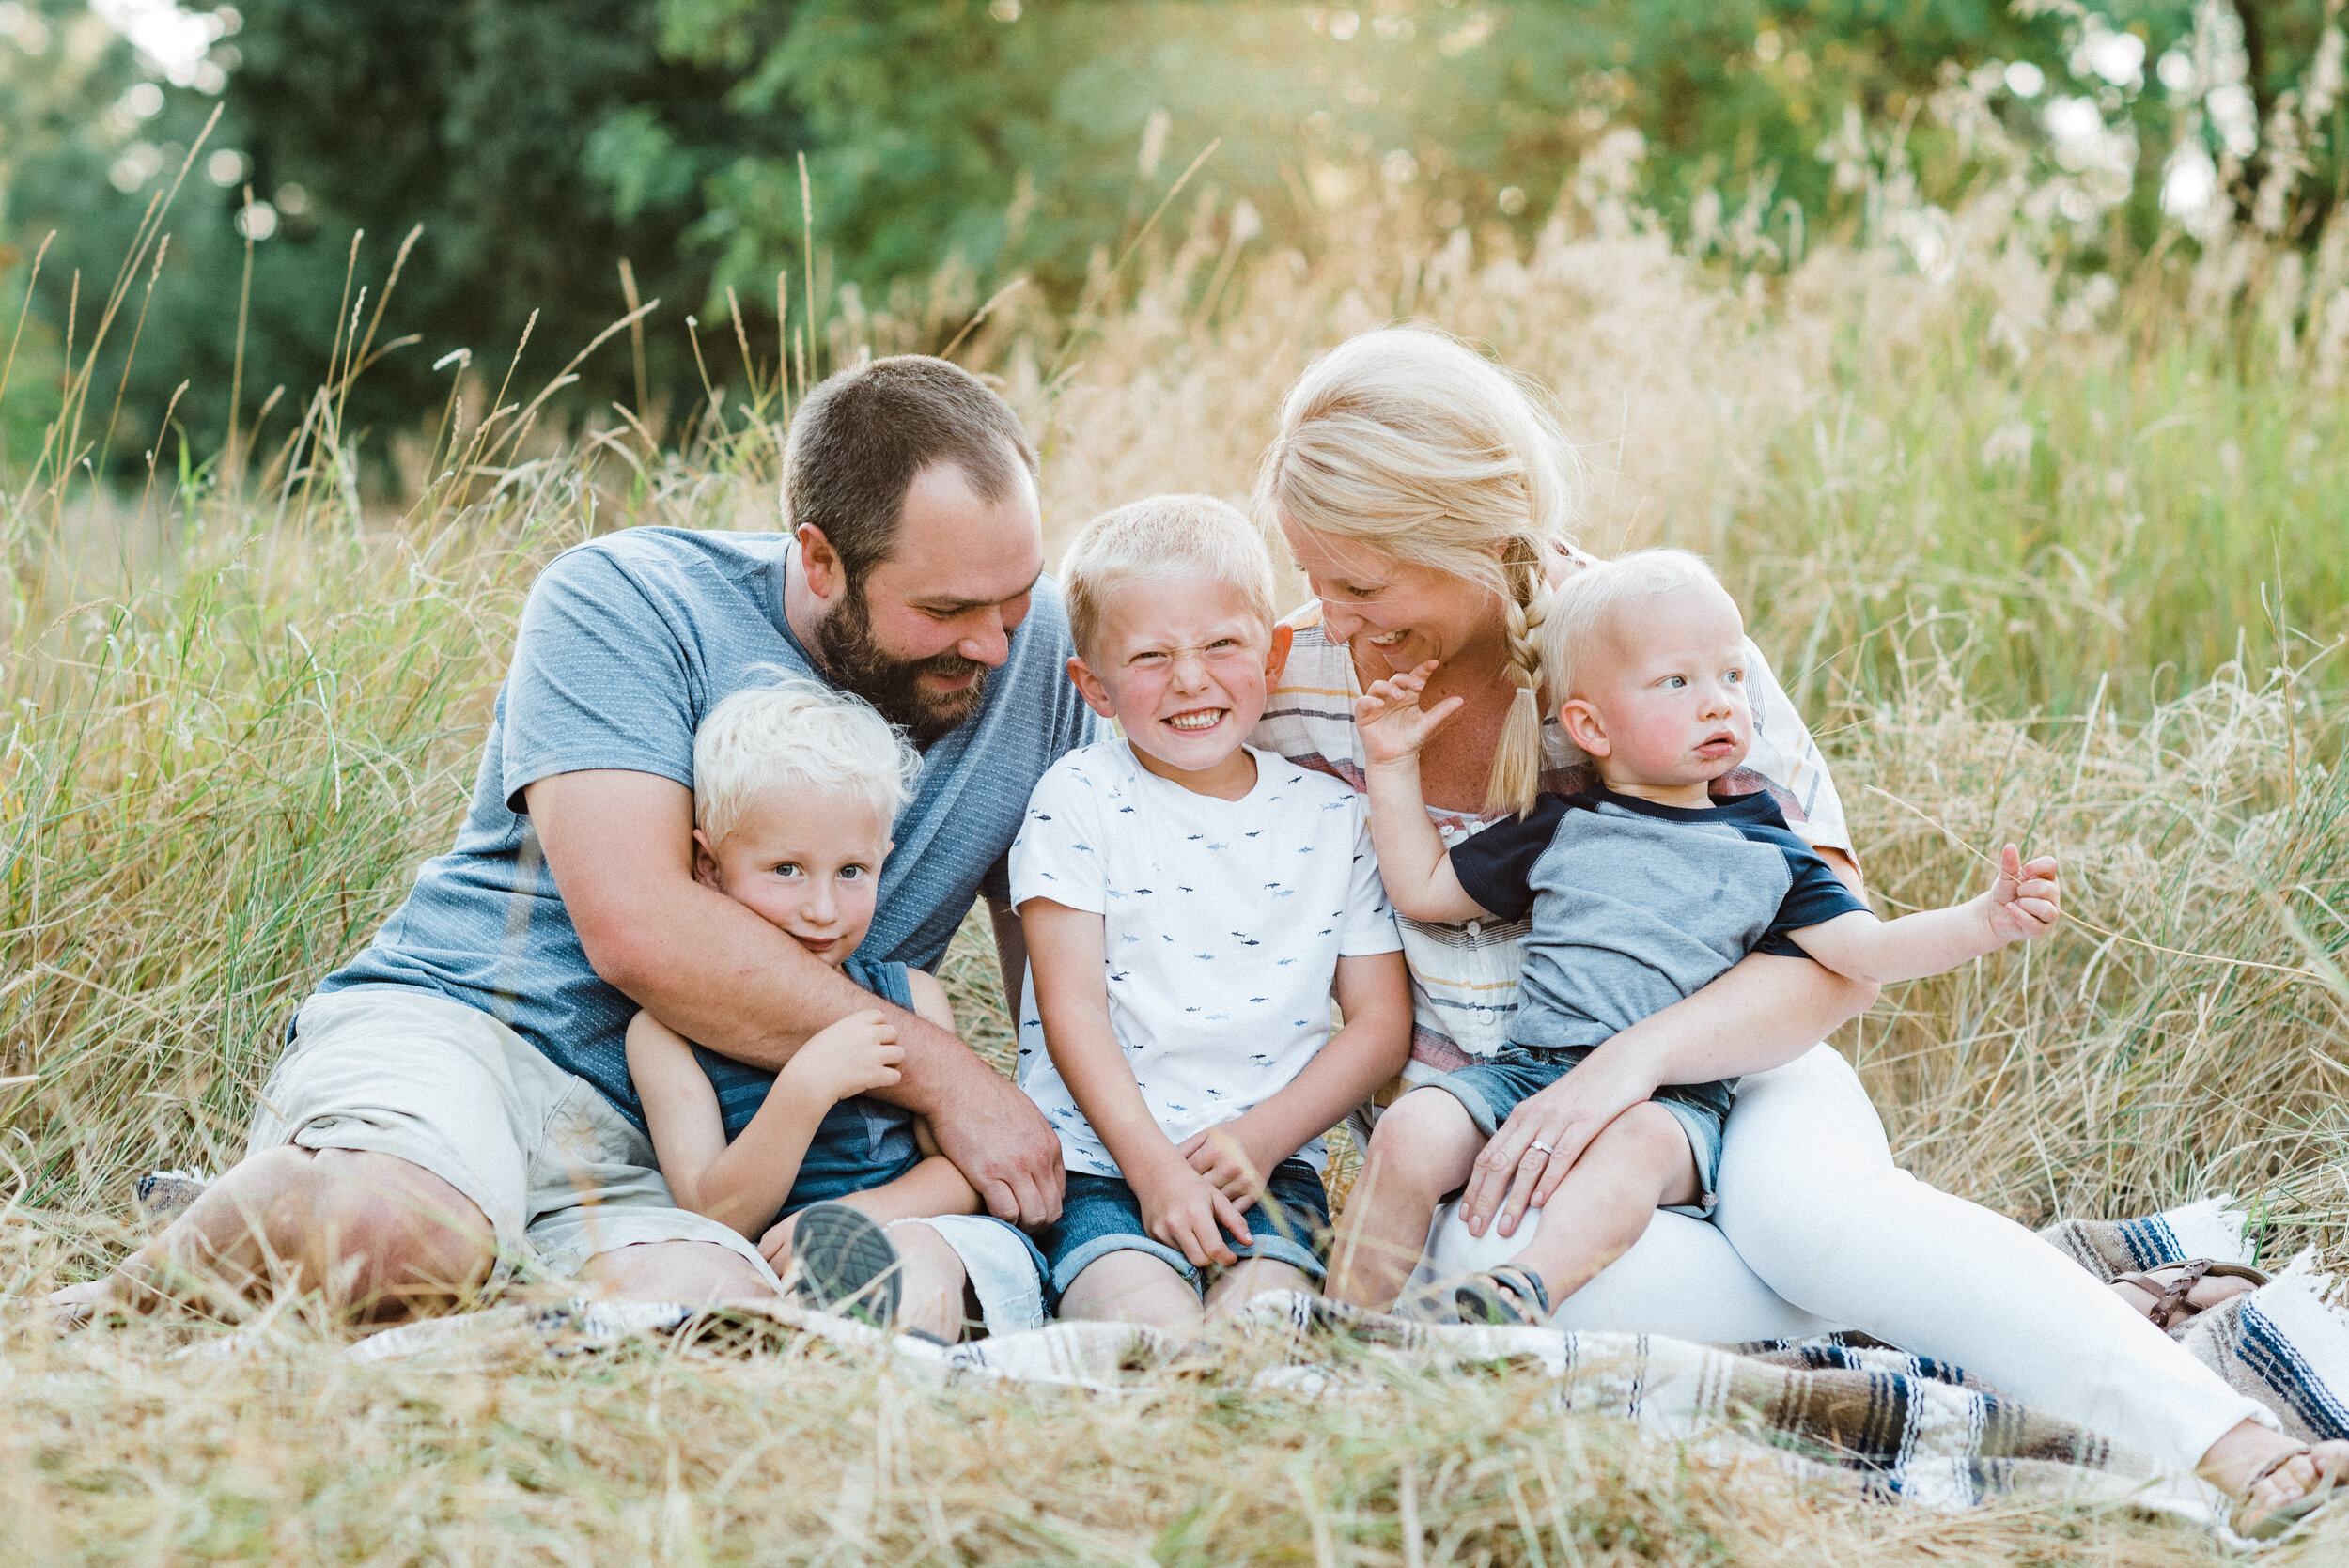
1492, 1090
1100, 1215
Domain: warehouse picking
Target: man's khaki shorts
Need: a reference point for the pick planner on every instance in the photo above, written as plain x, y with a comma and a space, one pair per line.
561, 1174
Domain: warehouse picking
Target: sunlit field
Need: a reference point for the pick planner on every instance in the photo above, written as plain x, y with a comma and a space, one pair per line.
2042, 556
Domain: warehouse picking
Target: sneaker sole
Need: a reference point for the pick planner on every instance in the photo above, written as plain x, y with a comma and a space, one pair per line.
846, 1264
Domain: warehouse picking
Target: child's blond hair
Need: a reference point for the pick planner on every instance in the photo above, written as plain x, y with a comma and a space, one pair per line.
1409, 441
1584, 607
1162, 536
800, 735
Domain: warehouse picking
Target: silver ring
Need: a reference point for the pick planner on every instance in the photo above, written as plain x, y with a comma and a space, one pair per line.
1543, 1147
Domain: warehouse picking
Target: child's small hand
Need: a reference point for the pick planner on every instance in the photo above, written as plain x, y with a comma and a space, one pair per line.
1220, 1153
2026, 900
1182, 1208
775, 1245
1393, 724
854, 1056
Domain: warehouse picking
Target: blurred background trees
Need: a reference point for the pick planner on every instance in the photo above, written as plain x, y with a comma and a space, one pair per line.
539, 143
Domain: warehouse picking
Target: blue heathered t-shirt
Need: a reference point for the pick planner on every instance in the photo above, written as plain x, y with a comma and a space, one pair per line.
624, 645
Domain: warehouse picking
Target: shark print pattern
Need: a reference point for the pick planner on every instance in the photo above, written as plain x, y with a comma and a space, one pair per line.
1219, 992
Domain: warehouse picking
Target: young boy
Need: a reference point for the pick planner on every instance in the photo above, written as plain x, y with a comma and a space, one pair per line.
795, 788
1642, 891
1189, 904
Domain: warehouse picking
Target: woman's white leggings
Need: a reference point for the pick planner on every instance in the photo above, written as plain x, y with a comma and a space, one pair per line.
1828, 1232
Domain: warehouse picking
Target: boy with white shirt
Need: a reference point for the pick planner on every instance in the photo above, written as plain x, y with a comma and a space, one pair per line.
1189, 906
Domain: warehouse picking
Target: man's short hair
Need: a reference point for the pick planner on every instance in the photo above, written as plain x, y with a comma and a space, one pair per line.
801, 736
1584, 607
1166, 536
861, 437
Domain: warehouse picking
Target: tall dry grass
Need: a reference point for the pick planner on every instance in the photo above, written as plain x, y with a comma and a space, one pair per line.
2041, 558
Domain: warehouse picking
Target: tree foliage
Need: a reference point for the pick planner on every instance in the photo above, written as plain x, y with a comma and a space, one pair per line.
540, 142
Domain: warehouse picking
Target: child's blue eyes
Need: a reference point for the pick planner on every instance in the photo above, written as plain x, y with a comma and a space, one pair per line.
1222, 648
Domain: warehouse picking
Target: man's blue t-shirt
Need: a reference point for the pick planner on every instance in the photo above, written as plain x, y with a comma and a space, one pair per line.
624, 645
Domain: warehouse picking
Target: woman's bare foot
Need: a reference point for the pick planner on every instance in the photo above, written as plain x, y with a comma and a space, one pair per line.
2208, 1292
2267, 1472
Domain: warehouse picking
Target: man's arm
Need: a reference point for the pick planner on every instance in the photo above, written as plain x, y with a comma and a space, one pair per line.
619, 845
1011, 956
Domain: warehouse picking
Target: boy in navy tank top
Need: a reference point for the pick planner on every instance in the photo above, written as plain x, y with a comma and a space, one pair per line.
795, 788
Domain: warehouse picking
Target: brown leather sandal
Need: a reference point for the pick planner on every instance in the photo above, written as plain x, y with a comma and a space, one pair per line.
2170, 1307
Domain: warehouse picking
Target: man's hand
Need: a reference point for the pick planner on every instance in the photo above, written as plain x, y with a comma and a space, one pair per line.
1393, 724
1001, 1144
1183, 1209
2025, 901
1231, 1159
859, 1053
1538, 1144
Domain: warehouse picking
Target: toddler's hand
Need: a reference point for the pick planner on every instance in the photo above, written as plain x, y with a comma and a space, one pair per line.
2026, 900
1393, 724
856, 1055
1182, 1208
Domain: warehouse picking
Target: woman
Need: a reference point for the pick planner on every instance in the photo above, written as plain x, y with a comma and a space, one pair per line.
1425, 496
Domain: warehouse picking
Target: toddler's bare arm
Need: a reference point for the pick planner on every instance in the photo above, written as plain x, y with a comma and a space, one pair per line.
2024, 903
1412, 861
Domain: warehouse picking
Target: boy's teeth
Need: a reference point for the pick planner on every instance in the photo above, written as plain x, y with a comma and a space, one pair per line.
1196, 721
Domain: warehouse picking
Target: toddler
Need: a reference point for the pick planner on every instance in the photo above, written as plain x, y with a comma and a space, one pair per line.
1642, 891
794, 786
1190, 902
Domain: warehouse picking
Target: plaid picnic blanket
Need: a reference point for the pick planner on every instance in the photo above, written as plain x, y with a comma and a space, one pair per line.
1839, 1408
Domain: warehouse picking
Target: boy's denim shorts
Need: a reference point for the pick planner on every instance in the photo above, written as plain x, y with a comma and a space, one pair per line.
1492, 1090
1100, 1215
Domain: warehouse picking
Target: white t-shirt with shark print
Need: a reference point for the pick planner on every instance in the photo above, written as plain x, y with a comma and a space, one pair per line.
1222, 921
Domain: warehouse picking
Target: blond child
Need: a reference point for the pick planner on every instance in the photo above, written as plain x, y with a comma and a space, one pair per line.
1189, 906
1642, 891
794, 786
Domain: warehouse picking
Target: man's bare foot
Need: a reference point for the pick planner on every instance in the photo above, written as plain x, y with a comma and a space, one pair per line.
2207, 1292
77, 1306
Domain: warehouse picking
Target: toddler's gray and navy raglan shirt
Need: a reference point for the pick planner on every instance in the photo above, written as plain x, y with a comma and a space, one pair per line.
1637, 905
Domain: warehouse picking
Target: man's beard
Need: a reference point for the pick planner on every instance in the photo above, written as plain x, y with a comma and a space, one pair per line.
856, 662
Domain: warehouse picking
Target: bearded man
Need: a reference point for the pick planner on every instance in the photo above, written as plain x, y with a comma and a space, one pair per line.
454, 1104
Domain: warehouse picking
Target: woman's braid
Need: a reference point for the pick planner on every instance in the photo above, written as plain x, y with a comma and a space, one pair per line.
1517, 767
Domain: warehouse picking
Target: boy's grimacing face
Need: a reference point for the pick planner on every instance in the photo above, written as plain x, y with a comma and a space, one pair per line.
1660, 696
807, 866
1184, 665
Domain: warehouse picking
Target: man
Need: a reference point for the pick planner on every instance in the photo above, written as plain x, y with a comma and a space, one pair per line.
455, 1102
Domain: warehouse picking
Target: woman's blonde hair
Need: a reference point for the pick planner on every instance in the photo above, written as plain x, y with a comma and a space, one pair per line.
801, 736
1411, 443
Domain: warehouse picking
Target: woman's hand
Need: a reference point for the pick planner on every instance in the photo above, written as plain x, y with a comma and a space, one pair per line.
1393, 724
1524, 1162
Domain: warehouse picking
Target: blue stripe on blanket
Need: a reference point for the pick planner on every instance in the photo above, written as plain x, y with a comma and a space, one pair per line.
2151, 1242
2290, 1377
